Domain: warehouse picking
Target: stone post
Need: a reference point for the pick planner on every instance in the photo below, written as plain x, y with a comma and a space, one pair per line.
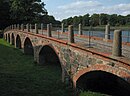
22, 27
62, 27
30, 26
18, 26
117, 43
49, 30
42, 28
80, 29
27, 27
15, 26
12, 27
107, 32
71, 34
36, 28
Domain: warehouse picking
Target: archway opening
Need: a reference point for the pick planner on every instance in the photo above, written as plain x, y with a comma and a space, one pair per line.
47, 55
12, 39
28, 48
9, 38
6, 37
103, 82
49, 59
18, 42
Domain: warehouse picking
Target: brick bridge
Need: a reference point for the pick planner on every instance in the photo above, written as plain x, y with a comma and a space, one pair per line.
76, 61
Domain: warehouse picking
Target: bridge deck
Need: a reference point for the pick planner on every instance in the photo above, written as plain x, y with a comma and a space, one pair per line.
93, 44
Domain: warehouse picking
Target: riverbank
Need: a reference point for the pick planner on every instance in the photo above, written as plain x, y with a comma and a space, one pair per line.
102, 28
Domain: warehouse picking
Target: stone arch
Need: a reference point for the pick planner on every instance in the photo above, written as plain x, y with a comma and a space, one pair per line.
28, 47
100, 78
12, 39
47, 54
8, 37
18, 42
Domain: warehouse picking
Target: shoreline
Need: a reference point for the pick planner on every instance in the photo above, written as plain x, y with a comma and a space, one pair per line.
102, 28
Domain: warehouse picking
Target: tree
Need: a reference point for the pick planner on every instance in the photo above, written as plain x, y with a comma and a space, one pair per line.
127, 19
4, 14
27, 10
113, 19
70, 21
77, 20
85, 20
65, 21
121, 20
95, 19
103, 19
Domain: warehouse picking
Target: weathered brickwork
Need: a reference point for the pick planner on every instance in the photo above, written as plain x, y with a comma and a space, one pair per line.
75, 61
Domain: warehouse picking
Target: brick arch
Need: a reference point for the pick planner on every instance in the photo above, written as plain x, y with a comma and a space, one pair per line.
9, 37
30, 38
57, 54
50, 46
28, 47
18, 42
12, 39
105, 68
6, 37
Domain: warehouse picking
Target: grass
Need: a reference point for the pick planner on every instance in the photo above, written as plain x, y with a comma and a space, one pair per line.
20, 76
89, 93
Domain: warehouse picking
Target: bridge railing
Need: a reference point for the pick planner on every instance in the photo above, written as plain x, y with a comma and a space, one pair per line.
96, 39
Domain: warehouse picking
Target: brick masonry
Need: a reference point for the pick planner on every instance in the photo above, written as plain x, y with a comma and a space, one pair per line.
75, 61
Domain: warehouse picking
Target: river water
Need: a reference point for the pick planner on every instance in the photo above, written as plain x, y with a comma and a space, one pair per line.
125, 34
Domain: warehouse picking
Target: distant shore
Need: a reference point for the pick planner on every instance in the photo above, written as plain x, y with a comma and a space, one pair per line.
102, 28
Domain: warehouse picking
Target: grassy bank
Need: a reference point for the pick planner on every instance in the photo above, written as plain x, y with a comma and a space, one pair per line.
20, 76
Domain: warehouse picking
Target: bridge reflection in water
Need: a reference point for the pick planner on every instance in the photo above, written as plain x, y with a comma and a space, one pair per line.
85, 67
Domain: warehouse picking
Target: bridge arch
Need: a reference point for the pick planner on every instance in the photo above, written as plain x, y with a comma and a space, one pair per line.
8, 37
48, 55
28, 47
100, 79
12, 39
18, 42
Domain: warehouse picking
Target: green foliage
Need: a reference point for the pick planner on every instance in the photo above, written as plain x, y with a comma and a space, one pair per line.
77, 20
85, 20
4, 14
26, 10
98, 20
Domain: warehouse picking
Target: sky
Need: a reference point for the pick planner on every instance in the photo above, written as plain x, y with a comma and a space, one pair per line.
62, 9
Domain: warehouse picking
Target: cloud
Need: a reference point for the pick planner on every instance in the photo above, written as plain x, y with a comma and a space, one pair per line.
81, 7
80, 4
122, 9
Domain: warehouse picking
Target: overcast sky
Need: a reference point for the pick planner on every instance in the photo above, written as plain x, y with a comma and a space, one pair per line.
62, 9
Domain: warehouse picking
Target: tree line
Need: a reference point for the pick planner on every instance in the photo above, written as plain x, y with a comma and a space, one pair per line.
98, 20
23, 11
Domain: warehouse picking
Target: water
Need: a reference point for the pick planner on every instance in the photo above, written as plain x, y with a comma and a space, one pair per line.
101, 34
